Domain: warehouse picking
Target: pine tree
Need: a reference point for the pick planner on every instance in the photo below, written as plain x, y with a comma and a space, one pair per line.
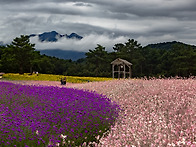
23, 52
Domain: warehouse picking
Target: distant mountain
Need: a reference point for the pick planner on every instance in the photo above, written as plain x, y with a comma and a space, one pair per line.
53, 36
167, 45
63, 54
74, 35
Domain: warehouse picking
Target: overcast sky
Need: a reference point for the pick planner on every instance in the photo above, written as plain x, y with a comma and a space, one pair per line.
104, 22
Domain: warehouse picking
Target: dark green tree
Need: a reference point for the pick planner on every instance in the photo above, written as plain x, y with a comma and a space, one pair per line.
118, 47
97, 61
21, 52
8, 63
152, 62
46, 65
1, 53
183, 60
35, 62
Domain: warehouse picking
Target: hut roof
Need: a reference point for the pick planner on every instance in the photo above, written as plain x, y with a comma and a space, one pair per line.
119, 61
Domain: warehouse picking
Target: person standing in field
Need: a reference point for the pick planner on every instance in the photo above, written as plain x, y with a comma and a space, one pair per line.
63, 81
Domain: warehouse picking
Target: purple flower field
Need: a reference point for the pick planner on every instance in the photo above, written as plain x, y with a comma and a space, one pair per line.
53, 116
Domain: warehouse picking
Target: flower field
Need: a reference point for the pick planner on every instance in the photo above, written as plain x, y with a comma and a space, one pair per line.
50, 77
156, 112
52, 116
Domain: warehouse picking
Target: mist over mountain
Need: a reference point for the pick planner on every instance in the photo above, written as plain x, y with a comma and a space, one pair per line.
54, 36
58, 45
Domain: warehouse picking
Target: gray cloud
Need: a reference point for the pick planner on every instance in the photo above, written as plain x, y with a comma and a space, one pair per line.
147, 21
83, 4
11, 1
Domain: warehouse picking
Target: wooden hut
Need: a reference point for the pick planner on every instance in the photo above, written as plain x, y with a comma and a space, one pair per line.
122, 68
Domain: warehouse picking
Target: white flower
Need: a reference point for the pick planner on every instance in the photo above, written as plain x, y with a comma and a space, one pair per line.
63, 136
37, 132
183, 141
49, 143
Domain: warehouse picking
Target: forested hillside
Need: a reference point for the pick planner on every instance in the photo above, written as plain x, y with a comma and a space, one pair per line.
163, 59
168, 45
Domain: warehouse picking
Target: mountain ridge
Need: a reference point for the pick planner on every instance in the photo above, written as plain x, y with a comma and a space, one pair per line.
54, 36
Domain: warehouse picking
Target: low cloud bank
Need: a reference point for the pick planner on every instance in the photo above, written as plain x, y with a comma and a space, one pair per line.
88, 42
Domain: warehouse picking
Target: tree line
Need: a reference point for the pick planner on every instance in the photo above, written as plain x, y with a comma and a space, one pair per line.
178, 60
